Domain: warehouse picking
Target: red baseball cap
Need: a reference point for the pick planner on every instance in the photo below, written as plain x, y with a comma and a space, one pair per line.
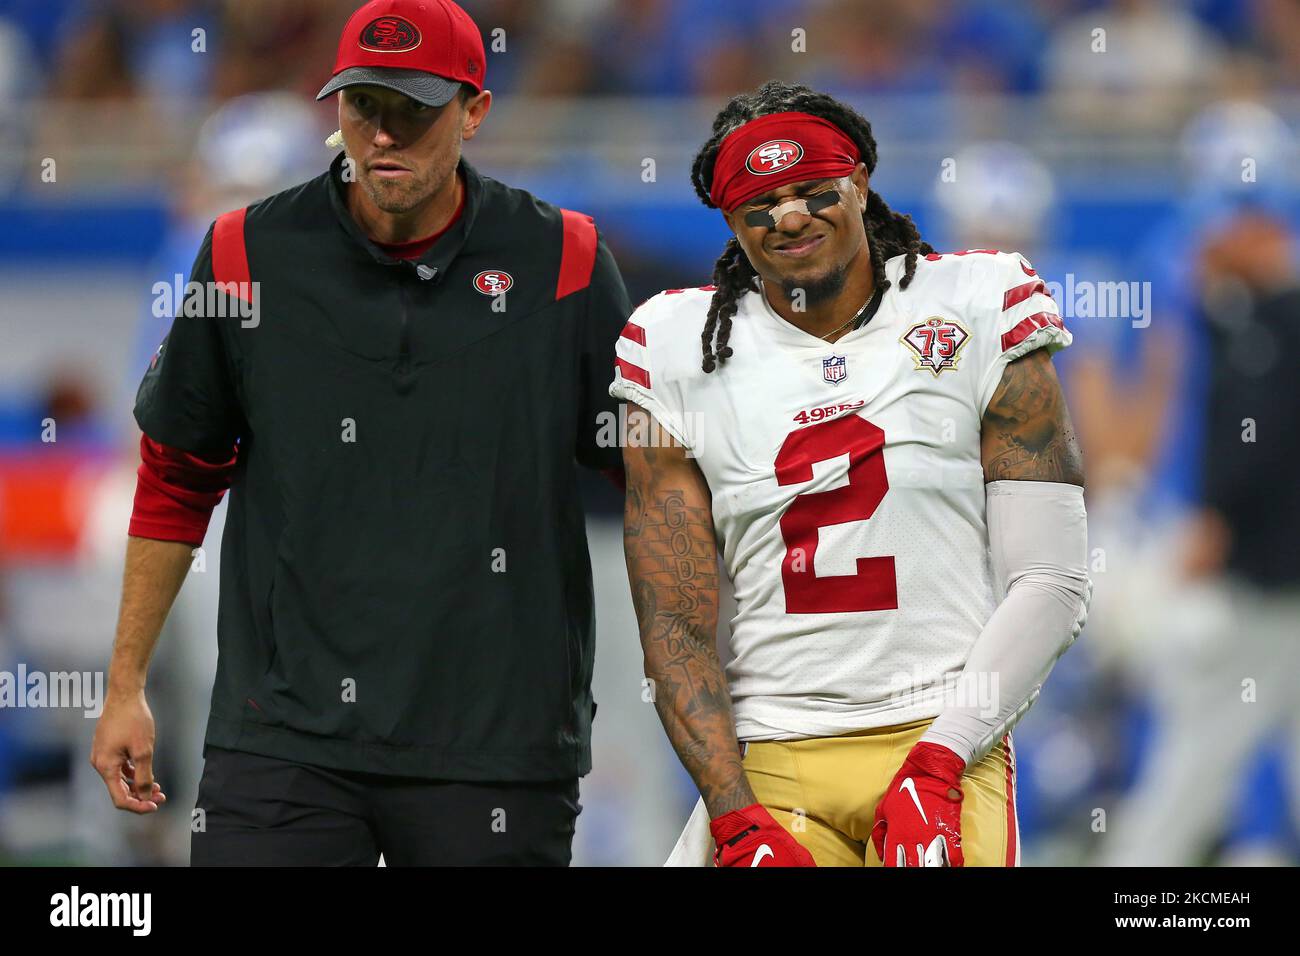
424, 49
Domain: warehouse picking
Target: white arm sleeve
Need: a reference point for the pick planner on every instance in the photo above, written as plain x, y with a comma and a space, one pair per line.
1038, 541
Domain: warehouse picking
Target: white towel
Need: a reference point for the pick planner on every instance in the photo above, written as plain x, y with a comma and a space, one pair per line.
695, 845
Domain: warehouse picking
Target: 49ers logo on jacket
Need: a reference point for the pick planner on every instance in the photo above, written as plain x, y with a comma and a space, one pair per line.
493, 281
936, 343
773, 156
390, 35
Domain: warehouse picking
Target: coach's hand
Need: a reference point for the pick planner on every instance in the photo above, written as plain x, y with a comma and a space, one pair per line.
123, 753
918, 820
750, 837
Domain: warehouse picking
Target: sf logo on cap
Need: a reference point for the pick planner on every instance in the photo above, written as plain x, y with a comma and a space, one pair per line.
389, 35
493, 282
774, 156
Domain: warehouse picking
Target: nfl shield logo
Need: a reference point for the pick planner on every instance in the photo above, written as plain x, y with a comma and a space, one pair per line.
834, 369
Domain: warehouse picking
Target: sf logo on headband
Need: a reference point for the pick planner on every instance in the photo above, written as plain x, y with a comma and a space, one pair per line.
773, 156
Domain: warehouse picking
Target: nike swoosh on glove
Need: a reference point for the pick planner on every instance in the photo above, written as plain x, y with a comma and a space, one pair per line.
750, 837
918, 820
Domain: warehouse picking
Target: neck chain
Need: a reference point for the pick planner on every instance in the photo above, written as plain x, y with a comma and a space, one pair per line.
855, 318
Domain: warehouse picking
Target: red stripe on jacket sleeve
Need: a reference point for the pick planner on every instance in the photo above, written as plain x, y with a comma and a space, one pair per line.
175, 492
1025, 327
578, 254
230, 254
633, 373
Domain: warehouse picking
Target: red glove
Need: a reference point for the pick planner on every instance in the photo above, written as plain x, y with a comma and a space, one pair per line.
750, 837
918, 820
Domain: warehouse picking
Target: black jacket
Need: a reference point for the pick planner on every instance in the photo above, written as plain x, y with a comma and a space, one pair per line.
1250, 478
405, 585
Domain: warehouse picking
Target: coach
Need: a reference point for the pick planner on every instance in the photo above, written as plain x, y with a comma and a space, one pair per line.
393, 368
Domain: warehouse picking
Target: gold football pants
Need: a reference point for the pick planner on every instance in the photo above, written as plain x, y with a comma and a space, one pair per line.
825, 790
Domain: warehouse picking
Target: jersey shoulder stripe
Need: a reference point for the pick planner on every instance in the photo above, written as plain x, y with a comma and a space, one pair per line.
634, 332
577, 254
230, 253
1019, 293
657, 355
1028, 326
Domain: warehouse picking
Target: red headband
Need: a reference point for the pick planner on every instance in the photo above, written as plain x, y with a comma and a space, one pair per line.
777, 149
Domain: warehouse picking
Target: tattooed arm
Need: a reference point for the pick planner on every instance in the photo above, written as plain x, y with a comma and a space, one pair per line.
1027, 434
672, 564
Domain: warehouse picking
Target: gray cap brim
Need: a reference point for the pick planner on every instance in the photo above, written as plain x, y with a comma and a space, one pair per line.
422, 87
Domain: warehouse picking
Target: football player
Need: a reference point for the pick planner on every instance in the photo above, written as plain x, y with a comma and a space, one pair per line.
873, 440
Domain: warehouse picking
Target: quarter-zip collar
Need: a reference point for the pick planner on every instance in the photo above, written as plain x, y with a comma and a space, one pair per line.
440, 255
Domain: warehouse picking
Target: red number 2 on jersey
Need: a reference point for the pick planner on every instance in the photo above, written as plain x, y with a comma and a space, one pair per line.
875, 586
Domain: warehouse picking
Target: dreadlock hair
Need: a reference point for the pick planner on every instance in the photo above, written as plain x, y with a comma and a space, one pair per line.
889, 233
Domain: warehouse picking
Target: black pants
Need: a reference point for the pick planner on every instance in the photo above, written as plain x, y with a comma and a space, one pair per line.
263, 811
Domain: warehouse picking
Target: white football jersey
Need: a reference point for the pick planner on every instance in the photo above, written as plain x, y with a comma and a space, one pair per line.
848, 489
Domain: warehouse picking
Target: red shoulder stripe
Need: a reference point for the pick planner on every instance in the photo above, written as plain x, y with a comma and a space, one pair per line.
633, 373
1022, 292
230, 254
634, 333
1027, 326
578, 254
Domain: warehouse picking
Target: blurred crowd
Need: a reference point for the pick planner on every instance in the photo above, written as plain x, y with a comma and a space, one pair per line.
109, 49
1169, 734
